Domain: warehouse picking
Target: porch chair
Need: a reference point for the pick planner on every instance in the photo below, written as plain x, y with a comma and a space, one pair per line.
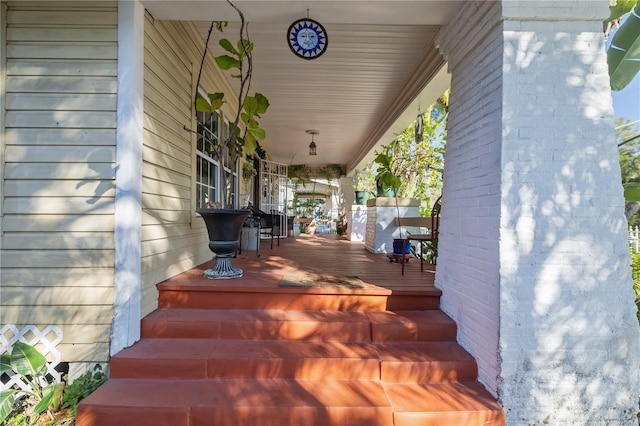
269, 224
432, 235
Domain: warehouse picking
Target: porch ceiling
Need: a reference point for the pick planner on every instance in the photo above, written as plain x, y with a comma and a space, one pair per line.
380, 67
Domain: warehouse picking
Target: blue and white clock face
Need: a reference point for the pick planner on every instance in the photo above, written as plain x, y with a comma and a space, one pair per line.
307, 38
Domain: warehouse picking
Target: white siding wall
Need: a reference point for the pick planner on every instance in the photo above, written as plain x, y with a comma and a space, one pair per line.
533, 182
173, 238
57, 245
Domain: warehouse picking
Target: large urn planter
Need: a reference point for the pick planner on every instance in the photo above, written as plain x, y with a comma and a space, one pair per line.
224, 227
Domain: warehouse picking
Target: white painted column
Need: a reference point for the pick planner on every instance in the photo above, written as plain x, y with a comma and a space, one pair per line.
128, 201
533, 260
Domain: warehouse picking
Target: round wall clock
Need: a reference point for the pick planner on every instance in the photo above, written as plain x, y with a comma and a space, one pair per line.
307, 38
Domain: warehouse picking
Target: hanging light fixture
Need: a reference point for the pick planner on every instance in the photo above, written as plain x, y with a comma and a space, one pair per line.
312, 145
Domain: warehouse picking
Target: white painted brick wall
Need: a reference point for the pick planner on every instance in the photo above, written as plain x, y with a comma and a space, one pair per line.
357, 222
467, 268
381, 227
533, 240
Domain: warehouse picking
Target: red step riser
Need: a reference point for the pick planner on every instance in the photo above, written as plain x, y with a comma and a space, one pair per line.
298, 416
296, 301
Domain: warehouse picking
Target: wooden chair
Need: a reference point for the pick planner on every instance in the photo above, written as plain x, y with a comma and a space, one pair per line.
432, 236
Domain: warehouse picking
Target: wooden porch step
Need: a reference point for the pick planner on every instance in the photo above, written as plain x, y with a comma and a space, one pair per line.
299, 325
285, 402
444, 403
391, 362
373, 298
236, 402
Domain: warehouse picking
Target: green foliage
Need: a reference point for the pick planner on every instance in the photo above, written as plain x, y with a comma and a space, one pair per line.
623, 55
46, 394
82, 387
418, 164
238, 59
301, 173
364, 180
635, 274
629, 158
31, 366
618, 9
387, 169
330, 171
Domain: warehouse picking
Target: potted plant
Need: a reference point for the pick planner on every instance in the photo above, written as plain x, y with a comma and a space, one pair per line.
248, 171
387, 185
387, 180
225, 224
330, 172
300, 174
364, 185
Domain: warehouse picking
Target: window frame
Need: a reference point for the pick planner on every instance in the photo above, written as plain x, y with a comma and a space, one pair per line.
216, 167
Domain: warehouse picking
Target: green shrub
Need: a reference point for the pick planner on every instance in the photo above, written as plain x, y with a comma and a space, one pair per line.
635, 273
48, 402
31, 366
82, 387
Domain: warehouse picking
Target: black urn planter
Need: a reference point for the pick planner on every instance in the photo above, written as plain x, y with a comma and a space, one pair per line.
224, 227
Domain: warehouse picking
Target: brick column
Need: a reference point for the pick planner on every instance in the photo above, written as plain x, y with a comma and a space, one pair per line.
533, 259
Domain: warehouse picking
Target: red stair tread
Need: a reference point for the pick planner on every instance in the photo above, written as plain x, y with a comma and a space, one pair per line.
444, 403
225, 401
432, 325
421, 362
258, 324
202, 358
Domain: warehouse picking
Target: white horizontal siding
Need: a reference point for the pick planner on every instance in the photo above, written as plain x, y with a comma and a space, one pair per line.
58, 171
170, 242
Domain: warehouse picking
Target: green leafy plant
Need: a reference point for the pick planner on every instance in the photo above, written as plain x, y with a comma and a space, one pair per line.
387, 173
330, 171
82, 387
301, 173
364, 180
623, 55
31, 366
238, 59
248, 171
635, 273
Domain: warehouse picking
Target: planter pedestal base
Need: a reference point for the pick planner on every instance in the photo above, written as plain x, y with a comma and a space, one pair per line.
223, 269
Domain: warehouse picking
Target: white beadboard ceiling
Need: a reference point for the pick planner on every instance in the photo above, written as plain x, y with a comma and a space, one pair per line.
380, 67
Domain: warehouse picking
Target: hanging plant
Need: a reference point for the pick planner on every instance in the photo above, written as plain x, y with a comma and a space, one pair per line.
299, 172
248, 171
330, 171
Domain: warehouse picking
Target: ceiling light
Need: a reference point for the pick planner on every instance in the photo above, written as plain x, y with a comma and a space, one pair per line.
312, 145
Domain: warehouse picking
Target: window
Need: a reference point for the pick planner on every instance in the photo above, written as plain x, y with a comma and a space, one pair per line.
208, 167
231, 172
212, 128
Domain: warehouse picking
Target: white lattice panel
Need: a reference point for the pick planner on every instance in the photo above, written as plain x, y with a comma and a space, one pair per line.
44, 341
